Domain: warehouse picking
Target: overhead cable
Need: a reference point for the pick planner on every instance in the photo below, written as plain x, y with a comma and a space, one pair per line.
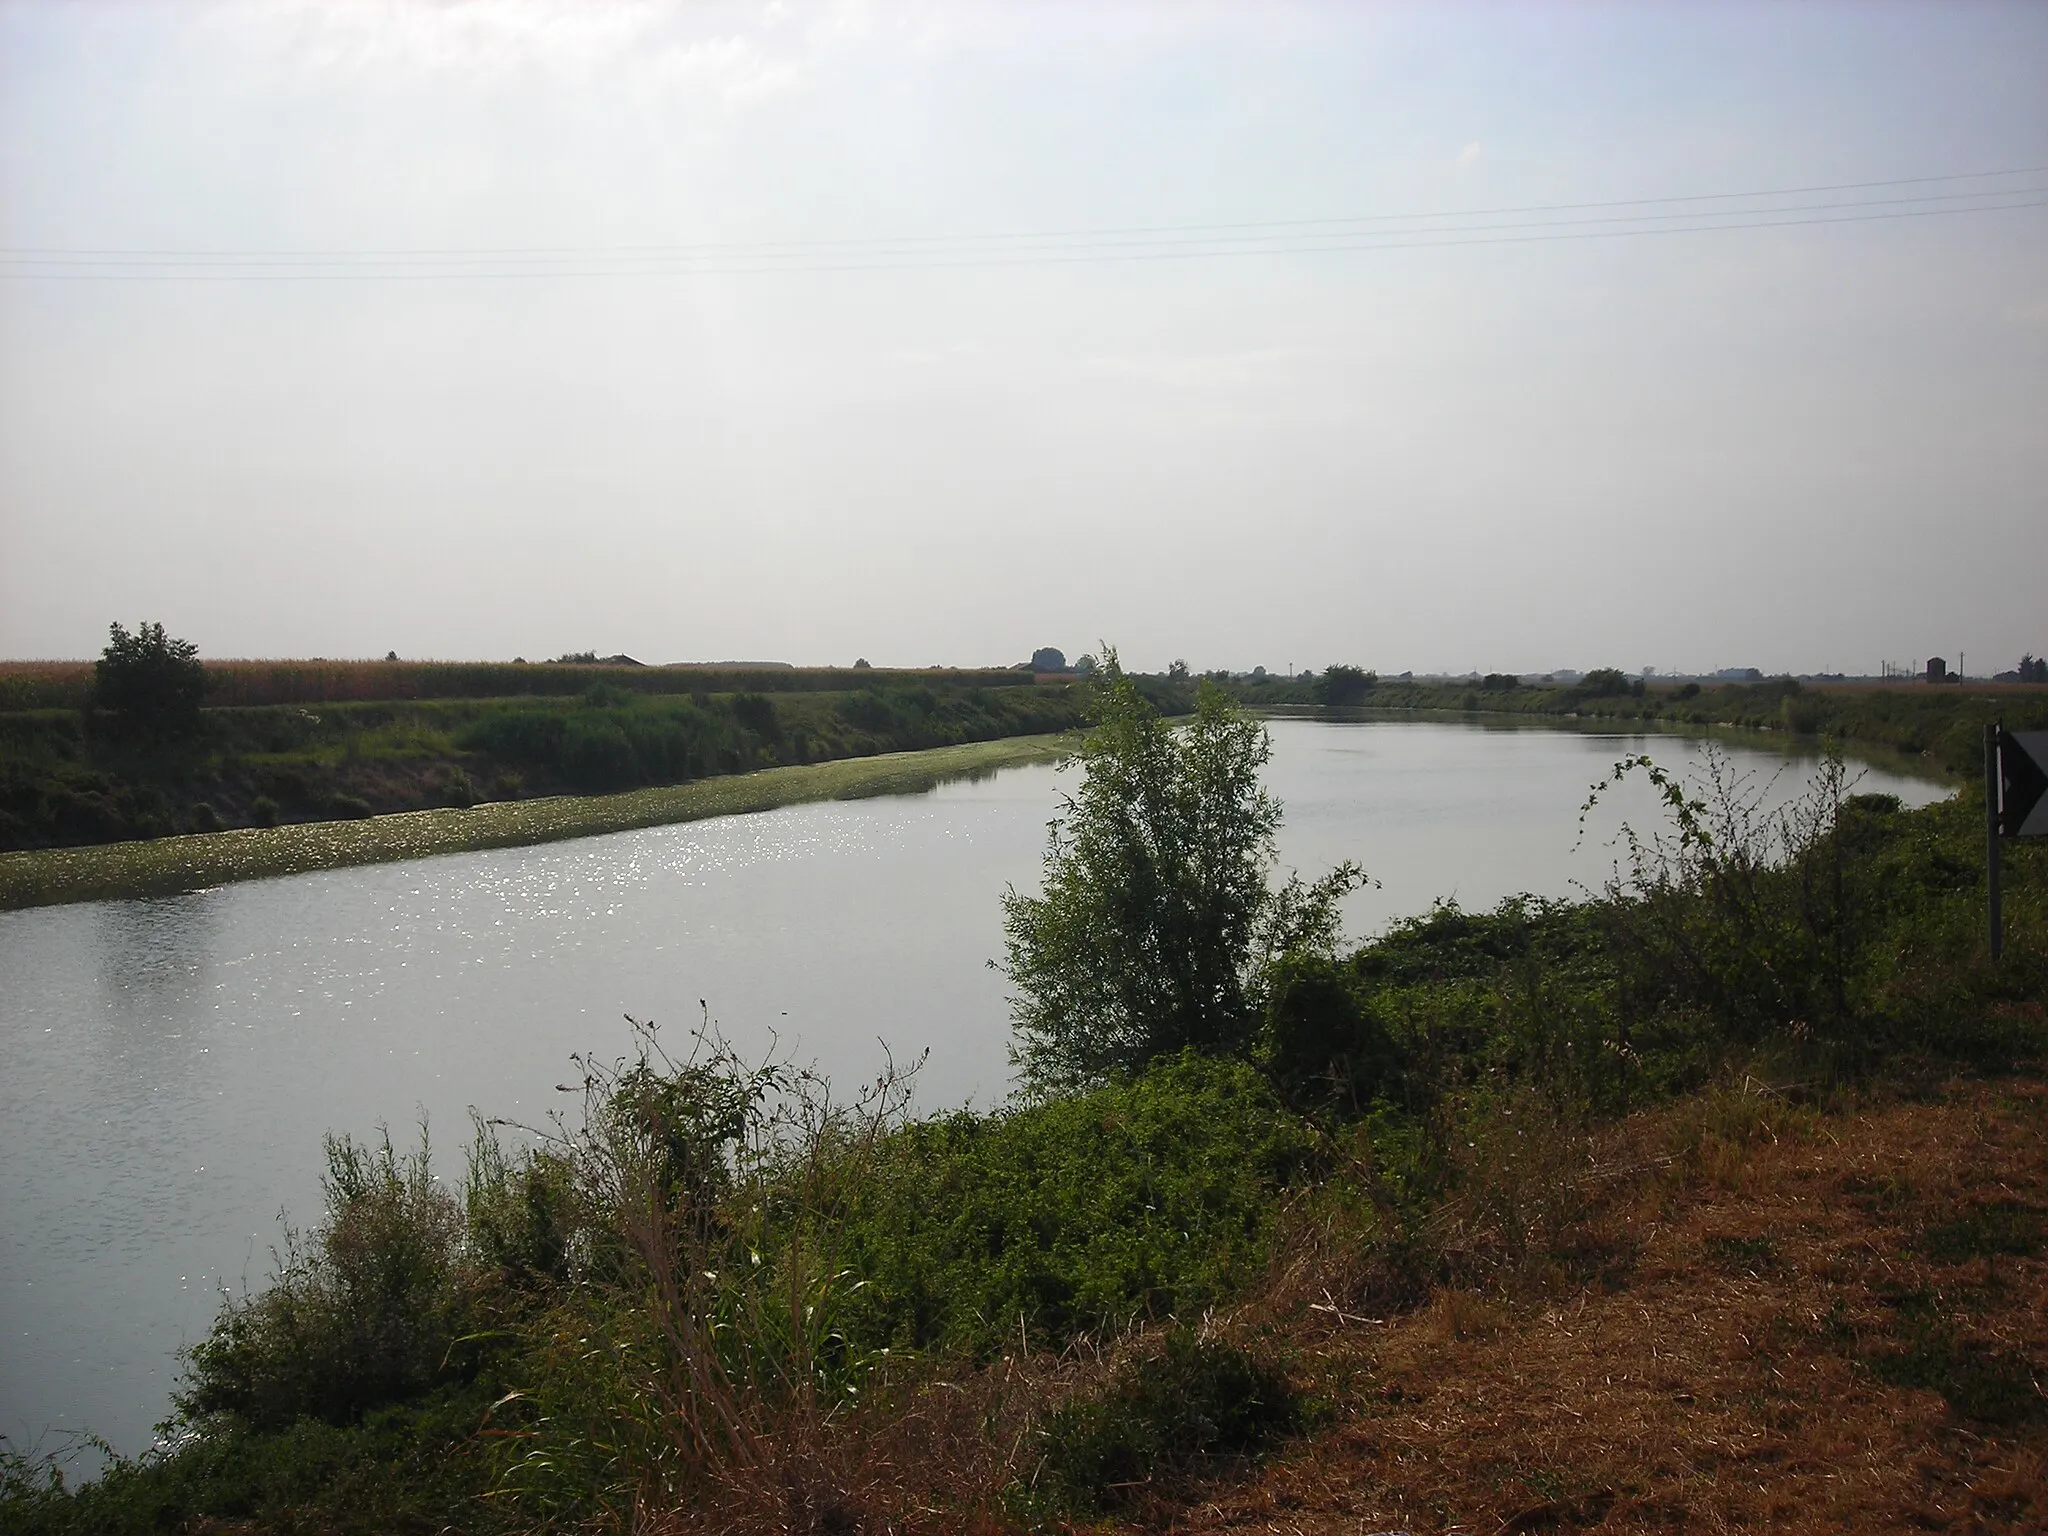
1275, 238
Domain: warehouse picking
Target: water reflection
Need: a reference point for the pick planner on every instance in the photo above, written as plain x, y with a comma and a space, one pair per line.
162, 948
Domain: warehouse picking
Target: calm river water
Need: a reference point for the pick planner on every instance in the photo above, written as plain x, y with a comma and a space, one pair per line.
171, 1064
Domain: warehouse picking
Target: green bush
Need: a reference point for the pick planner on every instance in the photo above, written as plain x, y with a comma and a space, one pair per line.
1195, 1403
1344, 685
368, 1312
1802, 715
1133, 1202
596, 756
150, 683
1754, 914
1605, 682
756, 711
412, 1467
1323, 1043
598, 750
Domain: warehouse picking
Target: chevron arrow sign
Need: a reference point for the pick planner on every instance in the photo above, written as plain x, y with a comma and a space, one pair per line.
2023, 783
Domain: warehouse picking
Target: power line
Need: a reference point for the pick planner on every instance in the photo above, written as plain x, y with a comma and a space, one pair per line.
1071, 234
144, 259
1103, 246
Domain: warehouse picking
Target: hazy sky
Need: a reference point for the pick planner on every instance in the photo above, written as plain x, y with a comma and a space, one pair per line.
770, 331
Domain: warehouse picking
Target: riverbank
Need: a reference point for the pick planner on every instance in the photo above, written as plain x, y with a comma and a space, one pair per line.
1942, 727
1770, 1118
1793, 747
73, 777
167, 865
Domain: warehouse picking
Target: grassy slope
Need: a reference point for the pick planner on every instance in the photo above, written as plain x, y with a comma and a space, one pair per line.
69, 778
1761, 1308
161, 866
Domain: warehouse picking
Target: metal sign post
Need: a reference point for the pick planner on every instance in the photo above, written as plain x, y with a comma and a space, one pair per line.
2015, 802
1994, 781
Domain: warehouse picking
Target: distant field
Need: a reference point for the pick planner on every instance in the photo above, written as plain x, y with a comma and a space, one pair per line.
166, 865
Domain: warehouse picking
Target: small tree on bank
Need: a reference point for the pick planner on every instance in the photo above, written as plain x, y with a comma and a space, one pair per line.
1157, 924
151, 683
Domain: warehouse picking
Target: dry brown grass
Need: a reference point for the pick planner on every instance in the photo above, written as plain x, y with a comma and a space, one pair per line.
936, 1450
1724, 1380
933, 1454
1714, 1365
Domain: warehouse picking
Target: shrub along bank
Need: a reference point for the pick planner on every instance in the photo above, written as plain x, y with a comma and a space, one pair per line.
721, 1299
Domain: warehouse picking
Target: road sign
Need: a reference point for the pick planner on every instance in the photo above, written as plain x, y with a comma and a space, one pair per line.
2015, 805
2023, 783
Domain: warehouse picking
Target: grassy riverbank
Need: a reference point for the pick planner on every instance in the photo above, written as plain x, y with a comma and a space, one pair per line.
165, 865
76, 776
1717, 1199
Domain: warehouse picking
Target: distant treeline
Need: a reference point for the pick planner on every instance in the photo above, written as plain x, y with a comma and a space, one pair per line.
68, 684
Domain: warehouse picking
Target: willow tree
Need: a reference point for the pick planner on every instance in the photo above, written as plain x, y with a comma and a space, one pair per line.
1157, 920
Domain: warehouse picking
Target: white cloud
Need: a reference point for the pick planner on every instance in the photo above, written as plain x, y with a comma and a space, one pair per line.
1469, 155
732, 54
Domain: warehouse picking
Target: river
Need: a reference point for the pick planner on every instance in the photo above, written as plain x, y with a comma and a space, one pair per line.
172, 1063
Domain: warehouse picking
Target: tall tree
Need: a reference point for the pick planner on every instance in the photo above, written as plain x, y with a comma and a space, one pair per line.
1156, 923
